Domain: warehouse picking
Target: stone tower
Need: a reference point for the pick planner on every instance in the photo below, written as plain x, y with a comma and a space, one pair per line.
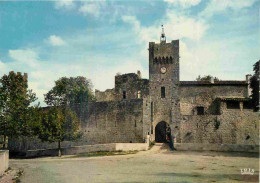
164, 84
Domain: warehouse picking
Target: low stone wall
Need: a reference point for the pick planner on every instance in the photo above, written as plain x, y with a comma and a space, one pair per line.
132, 146
4, 161
216, 147
88, 148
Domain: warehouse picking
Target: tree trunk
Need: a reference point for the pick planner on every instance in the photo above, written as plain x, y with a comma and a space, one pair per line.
59, 149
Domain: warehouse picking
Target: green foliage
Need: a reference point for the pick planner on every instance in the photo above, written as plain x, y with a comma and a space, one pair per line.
58, 124
254, 84
206, 78
104, 153
15, 109
73, 90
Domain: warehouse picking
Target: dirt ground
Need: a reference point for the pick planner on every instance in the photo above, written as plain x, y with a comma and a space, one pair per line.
158, 165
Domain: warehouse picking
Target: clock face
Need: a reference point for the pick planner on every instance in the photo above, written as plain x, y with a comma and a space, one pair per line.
163, 70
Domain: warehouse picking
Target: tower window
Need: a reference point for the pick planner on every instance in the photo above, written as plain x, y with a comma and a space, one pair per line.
162, 92
139, 94
200, 110
124, 94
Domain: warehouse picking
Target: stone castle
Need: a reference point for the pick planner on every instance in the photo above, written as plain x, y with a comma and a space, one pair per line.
165, 108
194, 111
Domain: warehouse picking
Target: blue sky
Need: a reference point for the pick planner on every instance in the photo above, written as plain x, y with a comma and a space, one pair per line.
97, 39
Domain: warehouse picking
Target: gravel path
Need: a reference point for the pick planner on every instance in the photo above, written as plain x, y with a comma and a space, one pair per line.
156, 165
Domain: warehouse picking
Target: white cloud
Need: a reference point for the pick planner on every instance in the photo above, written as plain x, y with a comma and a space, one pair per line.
25, 57
218, 6
56, 40
176, 27
92, 8
64, 4
133, 21
104, 79
183, 3
43, 73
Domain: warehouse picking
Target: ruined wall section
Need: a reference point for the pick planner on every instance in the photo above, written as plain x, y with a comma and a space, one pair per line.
192, 96
108, 95
133, 86
127, 86
114, 121
233, 126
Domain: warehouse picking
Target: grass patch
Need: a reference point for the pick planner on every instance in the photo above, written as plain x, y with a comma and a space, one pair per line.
151, 145
104, 153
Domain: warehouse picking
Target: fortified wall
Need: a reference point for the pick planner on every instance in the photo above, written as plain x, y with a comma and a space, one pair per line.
101, 122
113, 121
190, 112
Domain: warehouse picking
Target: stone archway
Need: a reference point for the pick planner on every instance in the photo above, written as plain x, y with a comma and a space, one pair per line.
162, 130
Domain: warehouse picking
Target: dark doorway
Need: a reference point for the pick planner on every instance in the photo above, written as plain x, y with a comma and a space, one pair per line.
160, 132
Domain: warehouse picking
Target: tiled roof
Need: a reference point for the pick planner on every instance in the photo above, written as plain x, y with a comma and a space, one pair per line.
215, 83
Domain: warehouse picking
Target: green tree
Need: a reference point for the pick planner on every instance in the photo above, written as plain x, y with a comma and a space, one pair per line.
58, 124
254, 84
67, 91
206, 78
15, 110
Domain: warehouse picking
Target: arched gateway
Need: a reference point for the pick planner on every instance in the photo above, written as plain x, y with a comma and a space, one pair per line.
162, 132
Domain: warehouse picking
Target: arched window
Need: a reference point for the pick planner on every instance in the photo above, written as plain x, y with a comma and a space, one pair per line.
155, 60
163, 60
167, 60
170, 59
139, 94
160, 60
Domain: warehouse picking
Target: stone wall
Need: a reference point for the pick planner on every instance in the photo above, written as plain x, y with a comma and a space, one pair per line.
114, 121
108, 95
4, 161
88, 148
233, 126
101, 122
133, 86
23, 144
205, 95
216, 147
127, 86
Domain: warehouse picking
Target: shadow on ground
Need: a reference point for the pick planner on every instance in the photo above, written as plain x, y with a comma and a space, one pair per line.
216, 177
214, 154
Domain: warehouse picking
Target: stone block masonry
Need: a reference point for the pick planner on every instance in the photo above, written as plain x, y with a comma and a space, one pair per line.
101, 122
88, 149
114, 122
4, 161
232, 127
